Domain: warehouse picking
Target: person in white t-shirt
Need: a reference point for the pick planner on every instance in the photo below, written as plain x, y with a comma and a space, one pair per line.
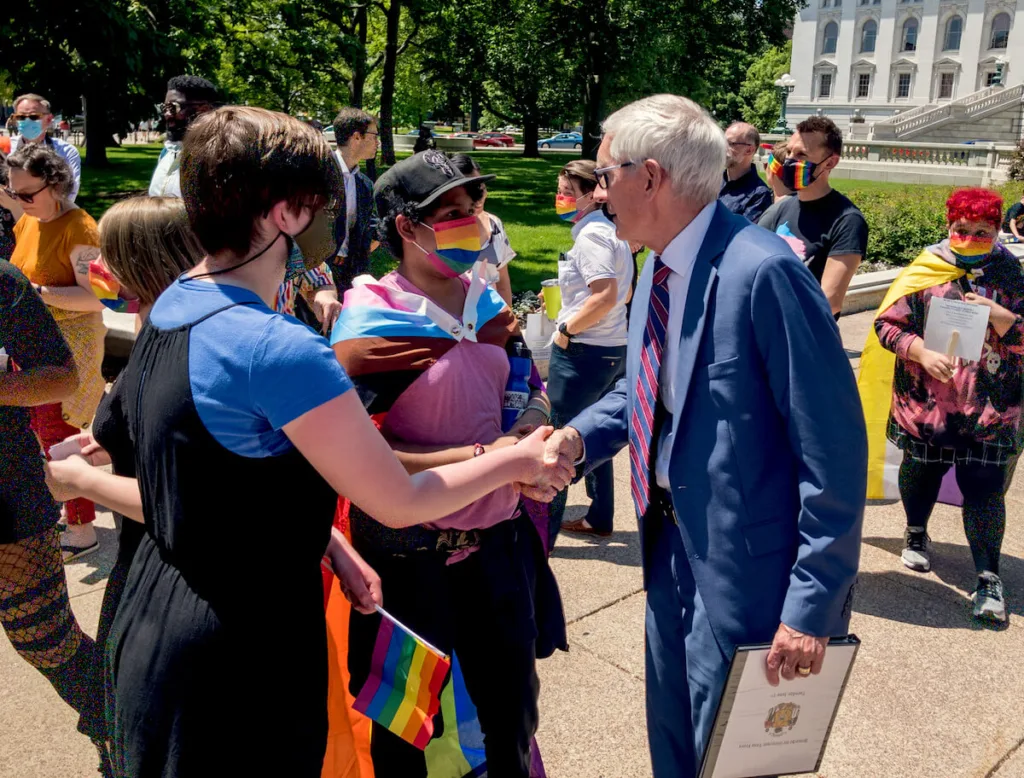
187, 97
497, 248
588, 355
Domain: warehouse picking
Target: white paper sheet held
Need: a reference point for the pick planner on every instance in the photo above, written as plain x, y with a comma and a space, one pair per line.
776, 730
968, 320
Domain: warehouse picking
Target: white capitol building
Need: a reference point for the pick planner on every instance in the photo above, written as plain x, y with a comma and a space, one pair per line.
924, 70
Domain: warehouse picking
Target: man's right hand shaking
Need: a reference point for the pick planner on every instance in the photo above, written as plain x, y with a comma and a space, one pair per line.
556, 466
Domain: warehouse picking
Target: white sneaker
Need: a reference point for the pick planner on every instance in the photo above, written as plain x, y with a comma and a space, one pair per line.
989, 604
915, 554
78, 541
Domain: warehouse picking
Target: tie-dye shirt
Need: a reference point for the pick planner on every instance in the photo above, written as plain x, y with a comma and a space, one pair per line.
981, 404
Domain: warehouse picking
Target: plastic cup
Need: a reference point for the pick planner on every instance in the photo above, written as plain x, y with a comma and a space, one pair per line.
552, 295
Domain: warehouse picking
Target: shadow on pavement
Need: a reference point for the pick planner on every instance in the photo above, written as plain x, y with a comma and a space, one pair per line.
622, 548
100, 561
879, 594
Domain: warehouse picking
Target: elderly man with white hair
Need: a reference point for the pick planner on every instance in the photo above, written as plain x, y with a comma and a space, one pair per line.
746, 439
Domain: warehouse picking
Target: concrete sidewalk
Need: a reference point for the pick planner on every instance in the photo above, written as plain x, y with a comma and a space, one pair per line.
933, 694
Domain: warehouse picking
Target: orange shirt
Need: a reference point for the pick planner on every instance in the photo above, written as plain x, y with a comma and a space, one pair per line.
42, 250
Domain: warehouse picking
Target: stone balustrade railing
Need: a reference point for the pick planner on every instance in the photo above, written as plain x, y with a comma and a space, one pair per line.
979, 155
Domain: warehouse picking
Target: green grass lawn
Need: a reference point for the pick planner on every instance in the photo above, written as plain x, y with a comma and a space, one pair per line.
130, 169
523, 196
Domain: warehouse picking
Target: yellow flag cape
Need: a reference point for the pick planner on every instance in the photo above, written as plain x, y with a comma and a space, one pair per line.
877, 366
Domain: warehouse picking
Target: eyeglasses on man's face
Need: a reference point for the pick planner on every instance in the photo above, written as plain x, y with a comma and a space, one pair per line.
601, 174
20, 117
735, 144
176, 107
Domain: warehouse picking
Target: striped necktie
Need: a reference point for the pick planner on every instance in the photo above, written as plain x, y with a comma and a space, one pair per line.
641, 424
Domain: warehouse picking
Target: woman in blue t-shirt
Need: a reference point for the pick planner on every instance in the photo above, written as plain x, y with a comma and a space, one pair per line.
244, 428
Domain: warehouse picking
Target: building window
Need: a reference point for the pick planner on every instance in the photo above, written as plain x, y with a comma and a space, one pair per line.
903, 85
1000, 32
863, 84
876, 2
865, 2
990, 78
945, 86
909, 35
868, 36
825, 85
831, 36
954, 31
824, 3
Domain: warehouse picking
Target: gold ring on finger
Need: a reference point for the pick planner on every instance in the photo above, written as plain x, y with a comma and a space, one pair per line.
804, 671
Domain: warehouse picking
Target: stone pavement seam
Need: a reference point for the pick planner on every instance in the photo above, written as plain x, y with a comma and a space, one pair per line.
604, 607
1005, 758
608, 661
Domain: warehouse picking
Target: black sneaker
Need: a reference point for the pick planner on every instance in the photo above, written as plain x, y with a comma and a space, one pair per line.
988, 599
915, 555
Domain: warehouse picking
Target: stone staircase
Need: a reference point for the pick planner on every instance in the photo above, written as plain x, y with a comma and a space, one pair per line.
966, 114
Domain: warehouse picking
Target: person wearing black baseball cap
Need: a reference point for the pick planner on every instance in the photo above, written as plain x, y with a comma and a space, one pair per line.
428, 348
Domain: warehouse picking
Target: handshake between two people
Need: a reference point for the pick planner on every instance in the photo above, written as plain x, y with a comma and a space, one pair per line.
551, 459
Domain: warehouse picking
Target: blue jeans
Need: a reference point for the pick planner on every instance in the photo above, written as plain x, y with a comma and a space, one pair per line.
577, 378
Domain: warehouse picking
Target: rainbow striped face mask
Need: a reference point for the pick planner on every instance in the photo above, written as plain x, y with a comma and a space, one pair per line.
565, 207
797, 174
109, 290
970, 249
458, 246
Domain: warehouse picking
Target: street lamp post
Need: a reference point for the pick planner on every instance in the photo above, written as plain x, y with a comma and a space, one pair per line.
784, 85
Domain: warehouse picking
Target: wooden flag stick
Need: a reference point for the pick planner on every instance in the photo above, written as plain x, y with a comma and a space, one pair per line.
954, 341
389, 617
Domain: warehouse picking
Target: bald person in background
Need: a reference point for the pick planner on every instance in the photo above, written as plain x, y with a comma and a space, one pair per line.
743, 192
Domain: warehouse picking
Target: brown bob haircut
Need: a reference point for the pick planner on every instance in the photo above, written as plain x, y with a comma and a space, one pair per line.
238, 162
582, 172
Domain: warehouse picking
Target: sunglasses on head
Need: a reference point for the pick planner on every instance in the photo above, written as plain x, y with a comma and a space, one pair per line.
19, 117
25, 197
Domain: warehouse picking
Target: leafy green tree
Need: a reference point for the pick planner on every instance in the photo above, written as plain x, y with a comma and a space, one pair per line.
761, 101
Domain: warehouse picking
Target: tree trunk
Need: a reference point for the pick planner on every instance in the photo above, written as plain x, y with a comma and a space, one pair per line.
593, 99
531, 134
474, 110
94, 111
358, 82
387, 83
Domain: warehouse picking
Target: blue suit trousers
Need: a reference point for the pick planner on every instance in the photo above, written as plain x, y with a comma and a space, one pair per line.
686, 667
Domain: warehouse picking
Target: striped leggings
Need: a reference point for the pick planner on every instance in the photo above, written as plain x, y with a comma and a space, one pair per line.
36, 615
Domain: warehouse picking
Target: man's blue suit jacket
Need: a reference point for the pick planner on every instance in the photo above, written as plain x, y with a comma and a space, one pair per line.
769, 462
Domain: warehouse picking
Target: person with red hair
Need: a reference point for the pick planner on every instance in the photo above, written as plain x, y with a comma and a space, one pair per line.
949, 412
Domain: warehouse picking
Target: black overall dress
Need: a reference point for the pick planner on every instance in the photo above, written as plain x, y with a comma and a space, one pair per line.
217, 658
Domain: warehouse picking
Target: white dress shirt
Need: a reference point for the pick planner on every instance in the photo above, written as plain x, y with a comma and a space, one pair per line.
350, 201
166, 181
679, 256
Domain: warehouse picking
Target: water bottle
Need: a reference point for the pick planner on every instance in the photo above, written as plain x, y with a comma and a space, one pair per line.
517, 390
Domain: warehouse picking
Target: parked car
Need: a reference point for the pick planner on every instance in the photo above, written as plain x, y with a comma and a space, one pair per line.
481, 141
564, 140
417, 132
329, 134
503, 139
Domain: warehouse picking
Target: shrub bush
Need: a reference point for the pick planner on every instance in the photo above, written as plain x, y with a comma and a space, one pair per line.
903, 221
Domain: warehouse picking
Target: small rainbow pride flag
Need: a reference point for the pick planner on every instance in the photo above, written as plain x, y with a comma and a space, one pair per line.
403, 691
108, 289
458, 240
773, 166
565, 207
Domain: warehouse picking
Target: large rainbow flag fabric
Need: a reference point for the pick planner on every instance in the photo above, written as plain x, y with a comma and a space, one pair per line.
403, 690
